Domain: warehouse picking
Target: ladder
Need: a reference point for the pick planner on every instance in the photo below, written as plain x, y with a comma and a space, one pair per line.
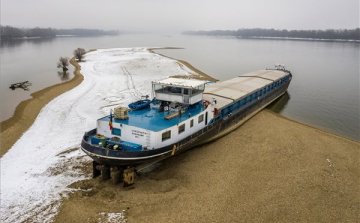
148, 139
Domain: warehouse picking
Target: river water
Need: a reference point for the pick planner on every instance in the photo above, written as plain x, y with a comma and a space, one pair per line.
324, 91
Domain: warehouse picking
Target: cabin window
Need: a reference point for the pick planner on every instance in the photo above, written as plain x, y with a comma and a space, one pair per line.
181, 128
173, 90
198, 89
176, 90
201, 118
186, 91
116, 131
191, 123
158, 88
166, 135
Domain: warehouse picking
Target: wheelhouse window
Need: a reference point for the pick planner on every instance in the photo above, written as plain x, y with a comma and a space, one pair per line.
201, 118
186, 91
158, 87
181, 128
172, 90
166, 135
116, 131
191, 123
198, 89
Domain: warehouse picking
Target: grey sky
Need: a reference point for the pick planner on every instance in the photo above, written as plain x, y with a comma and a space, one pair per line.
170, 16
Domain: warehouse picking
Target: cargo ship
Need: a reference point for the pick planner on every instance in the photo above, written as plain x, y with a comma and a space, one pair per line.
180, 114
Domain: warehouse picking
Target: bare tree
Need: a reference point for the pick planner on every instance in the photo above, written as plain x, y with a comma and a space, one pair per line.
79, 53
64, 63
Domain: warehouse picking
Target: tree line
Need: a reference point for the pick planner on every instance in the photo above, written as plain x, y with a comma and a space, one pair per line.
329, 34
9, 32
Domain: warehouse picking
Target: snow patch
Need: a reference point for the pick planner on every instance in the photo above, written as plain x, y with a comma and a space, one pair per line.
112, 217
36, 171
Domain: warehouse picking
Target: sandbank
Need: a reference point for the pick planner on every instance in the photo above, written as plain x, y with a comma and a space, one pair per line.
270, 169
199, 74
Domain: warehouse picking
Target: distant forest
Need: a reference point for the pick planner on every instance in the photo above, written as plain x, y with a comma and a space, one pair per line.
9, 32
329, 34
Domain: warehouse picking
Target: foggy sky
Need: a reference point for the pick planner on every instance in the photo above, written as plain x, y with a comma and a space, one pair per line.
180, 15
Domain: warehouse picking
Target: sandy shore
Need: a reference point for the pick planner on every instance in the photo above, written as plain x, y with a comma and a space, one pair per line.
37, 170
271, 169
199, 74
27, 111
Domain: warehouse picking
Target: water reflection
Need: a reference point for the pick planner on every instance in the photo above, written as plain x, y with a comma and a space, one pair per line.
12, 43
280, 104
63, 75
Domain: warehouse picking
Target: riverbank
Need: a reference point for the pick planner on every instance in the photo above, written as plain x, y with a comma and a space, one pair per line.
198, 73
27, 111
32, 191
270, 169
48, 151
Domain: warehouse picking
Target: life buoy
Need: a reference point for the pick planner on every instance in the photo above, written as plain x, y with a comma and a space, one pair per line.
206, 103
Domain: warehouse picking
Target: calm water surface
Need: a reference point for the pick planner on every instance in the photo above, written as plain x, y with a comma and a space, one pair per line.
324, 91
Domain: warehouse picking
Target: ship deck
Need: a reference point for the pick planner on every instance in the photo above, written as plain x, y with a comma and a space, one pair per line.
153, 120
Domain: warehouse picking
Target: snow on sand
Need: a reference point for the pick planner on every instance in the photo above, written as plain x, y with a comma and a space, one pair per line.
36, 171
